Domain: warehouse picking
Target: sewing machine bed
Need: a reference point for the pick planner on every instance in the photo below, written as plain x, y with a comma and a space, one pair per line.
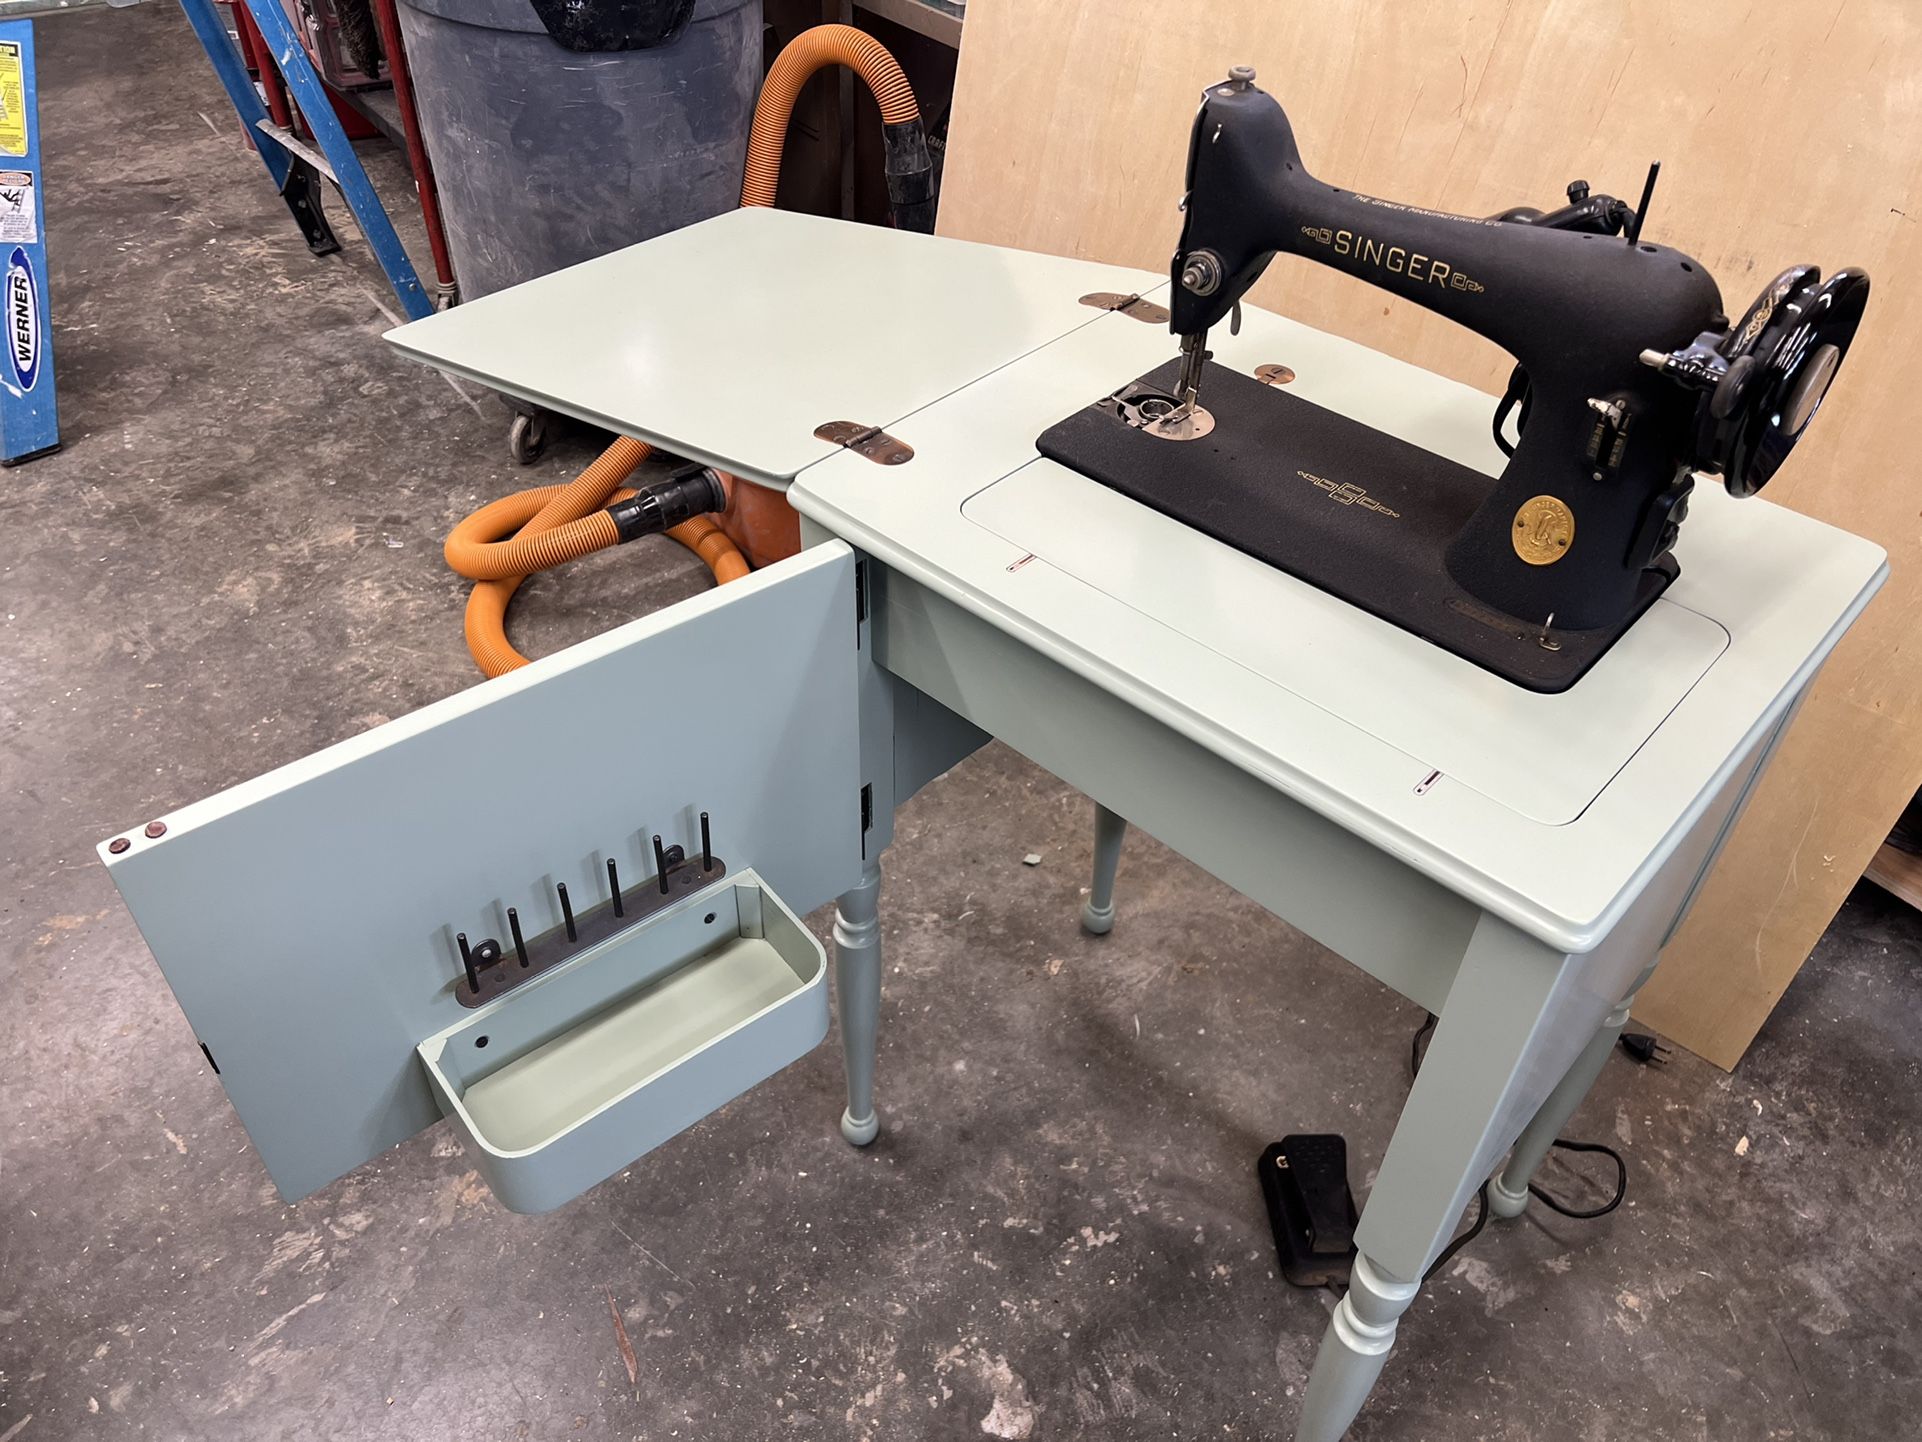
1359, 513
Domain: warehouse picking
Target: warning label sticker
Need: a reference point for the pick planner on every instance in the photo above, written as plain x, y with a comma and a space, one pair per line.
19, 214
13, 100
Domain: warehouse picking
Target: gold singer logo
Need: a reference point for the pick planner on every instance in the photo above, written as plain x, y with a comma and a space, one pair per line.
1348, 494
1396, 259
1544, 530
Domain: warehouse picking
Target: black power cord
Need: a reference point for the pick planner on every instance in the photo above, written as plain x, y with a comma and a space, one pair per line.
1415, 1053
1448, 1252
1621, 1182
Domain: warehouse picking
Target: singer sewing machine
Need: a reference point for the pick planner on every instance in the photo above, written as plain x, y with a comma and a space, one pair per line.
1630, 380
589, 954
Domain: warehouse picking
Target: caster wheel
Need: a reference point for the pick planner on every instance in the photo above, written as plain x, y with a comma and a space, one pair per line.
527, 438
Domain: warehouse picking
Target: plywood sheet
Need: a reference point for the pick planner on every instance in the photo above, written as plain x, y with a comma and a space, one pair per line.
1788, 133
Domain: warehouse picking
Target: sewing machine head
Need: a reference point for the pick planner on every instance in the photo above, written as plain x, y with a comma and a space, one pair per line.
1630, 376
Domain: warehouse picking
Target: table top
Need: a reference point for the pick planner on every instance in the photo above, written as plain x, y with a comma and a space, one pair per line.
730, 341
1552, 811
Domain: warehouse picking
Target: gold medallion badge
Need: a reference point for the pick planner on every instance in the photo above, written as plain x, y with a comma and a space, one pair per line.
1544, 530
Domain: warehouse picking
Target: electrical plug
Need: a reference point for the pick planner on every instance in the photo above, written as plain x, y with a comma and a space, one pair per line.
1644, 1048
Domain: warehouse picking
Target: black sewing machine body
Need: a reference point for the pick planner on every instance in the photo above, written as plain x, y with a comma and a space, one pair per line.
1630, 379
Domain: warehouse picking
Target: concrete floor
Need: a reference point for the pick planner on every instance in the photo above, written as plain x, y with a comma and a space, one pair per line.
236, 560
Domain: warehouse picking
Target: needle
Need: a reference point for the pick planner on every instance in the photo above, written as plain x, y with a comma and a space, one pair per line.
1193, 352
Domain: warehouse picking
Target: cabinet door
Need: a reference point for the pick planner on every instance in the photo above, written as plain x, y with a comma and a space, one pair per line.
307, 920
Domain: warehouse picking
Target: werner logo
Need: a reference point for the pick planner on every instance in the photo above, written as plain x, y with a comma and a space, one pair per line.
23, 320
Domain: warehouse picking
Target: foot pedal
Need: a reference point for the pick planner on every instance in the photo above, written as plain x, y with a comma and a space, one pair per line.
1304, 1179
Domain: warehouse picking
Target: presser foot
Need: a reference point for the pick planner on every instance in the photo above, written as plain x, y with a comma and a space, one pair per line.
1187, 421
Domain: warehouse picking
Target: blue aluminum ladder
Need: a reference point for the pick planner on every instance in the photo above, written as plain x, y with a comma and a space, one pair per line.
295, 166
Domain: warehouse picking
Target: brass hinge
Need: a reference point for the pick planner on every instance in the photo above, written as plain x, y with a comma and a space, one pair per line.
1130, 305
870, 441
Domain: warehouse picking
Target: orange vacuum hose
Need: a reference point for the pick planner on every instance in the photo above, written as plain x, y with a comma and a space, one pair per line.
547, 526
506, 541
805, 54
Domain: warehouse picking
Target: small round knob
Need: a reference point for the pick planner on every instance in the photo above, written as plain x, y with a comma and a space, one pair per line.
1201, 273
1241, 76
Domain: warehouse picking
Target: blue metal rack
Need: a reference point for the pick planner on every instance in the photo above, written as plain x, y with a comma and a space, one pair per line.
295, 167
